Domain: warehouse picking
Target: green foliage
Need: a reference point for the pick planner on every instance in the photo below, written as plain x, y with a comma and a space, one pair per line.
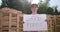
44, 9
14, 4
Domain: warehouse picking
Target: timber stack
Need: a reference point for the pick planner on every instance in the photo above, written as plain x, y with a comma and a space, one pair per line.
54, 23
11, 20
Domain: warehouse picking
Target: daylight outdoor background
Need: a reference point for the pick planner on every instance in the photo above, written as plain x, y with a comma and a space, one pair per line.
45, 6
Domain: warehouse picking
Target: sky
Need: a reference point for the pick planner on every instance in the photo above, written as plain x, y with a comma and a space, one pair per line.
35, 1
55, 3
0, 2
51, 2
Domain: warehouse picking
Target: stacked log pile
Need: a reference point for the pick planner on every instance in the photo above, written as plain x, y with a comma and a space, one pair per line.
57, 23
11, 20
51, 23
54, 23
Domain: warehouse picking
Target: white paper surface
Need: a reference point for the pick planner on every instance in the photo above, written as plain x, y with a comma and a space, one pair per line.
34, 22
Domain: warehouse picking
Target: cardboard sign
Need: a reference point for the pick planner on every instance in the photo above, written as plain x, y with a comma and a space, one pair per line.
34, 22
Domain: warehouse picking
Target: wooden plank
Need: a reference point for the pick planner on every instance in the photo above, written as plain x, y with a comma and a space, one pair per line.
54, 22
0, 21
10, 19
17, 22
48, 23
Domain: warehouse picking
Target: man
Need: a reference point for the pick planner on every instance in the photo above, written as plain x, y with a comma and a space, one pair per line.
34, 9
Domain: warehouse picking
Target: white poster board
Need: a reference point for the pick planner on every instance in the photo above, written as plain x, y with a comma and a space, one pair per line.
34, 22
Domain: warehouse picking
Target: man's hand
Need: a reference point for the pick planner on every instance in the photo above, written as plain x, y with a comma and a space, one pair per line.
47, 21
